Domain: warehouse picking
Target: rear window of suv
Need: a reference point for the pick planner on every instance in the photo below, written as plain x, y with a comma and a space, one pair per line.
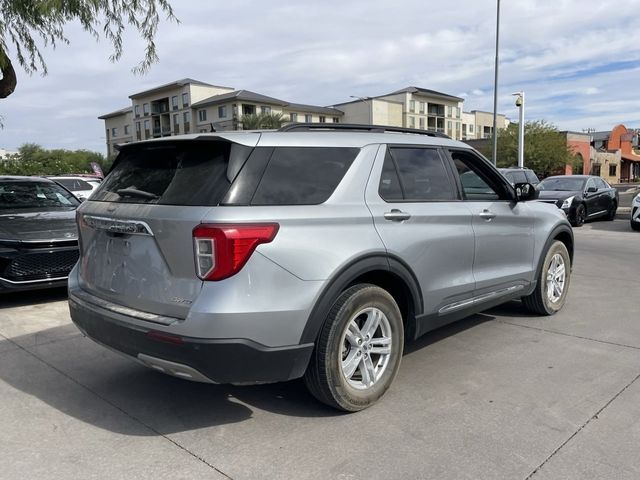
177, 173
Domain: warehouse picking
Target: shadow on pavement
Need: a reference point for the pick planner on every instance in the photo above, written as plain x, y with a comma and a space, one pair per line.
34, 297
164, 404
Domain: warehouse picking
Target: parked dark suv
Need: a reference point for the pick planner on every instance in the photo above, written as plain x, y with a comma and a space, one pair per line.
315, 252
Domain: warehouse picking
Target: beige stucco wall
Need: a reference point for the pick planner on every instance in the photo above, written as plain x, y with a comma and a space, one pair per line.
118, 122
605, 160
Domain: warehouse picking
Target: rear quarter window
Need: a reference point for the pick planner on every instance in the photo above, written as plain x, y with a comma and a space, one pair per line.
303, 175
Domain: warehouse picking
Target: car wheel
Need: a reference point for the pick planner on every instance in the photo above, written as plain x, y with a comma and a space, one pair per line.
552, 282
358, 351
580, 216
611, 214
635, 226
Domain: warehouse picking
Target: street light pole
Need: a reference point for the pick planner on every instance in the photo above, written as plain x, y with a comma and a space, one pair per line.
494, 157
520, 105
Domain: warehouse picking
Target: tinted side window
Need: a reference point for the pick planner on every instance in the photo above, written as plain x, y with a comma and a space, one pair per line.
423, 175
303, 175
601, 184
477, 179
389, 188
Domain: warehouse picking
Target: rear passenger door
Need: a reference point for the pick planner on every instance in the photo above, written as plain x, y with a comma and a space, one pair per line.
503, 228
413, 199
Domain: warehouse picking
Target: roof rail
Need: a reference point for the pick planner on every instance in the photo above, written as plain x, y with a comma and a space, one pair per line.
305, 127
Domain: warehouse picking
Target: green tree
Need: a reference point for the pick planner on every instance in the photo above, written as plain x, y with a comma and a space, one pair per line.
545, 149
32, 159
24, 22
258, 121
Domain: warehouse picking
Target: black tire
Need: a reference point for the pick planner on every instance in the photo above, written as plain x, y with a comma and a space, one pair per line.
611, 214
580, 216
635, 226
324, 376
539, 302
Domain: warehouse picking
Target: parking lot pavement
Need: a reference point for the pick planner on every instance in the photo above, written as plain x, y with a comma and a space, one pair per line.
498, 395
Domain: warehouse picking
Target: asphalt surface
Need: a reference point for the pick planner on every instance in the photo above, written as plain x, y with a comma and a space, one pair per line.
501, 395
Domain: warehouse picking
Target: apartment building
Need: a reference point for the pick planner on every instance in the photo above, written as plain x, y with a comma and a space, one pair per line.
410, 107
192, 106
478, 125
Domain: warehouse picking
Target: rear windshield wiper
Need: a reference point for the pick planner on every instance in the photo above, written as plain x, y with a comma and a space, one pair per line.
134, 192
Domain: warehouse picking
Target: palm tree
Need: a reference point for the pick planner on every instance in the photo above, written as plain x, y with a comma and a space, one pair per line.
258, 121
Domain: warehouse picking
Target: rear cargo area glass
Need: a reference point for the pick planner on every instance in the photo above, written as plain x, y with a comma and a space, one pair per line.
177, 173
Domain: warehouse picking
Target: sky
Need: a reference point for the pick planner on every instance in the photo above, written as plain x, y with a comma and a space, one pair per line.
578, 61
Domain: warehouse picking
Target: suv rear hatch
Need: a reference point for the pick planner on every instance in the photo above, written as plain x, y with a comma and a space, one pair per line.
136, 230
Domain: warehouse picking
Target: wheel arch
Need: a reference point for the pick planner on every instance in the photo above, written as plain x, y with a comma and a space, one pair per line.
387, 272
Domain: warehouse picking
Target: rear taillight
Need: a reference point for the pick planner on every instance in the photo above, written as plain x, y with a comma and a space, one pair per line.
222, 250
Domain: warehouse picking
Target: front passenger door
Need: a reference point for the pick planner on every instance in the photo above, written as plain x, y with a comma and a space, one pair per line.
503, 228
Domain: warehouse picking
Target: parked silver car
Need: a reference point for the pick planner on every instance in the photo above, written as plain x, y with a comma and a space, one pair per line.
316, 251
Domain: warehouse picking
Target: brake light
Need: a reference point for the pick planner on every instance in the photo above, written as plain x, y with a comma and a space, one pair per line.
222, 250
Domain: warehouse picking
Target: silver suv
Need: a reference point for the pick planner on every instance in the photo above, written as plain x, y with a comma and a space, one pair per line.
315, 251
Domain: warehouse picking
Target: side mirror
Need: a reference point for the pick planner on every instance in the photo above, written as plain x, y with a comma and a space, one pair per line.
592, 189
525, 191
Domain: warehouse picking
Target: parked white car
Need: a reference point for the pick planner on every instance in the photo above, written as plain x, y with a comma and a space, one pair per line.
80, 187
635, 213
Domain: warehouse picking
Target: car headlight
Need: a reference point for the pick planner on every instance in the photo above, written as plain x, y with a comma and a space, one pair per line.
567, 202
636, 199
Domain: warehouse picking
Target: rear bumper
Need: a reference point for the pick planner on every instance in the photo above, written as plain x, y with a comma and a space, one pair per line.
238, 361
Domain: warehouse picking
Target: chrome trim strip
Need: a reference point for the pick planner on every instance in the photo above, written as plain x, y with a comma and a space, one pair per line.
452, 307
26, 282
116, 225
87, 300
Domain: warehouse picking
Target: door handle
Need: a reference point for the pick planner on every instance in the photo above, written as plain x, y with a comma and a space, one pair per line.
396, 215
487, 214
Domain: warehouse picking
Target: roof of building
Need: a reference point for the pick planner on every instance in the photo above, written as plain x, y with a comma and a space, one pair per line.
425, 91
249, 96
117, 113
314, 109
174, 84
245, 95
600, 136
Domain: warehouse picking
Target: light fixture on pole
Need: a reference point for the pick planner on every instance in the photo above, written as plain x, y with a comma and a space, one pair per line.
369, 109
494, 156
520, 104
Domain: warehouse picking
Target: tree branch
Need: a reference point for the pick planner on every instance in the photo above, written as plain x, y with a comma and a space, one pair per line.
8, 80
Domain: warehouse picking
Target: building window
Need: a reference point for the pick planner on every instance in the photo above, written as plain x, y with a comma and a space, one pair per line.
421, 107
336, 120
470, 128
114, 132
449, 110
126, 129
176, 123
185, 100
293, 117
265, 110
613, 170
174, 102
187, 117
222, 111
412, 106
595, 170
136, 110
145, 109
202, 115
137, 126
421, 122
308, 118
322, 119
412, 122
458, 112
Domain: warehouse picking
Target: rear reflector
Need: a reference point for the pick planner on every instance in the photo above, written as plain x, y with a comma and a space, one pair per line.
165, 337
222, 250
